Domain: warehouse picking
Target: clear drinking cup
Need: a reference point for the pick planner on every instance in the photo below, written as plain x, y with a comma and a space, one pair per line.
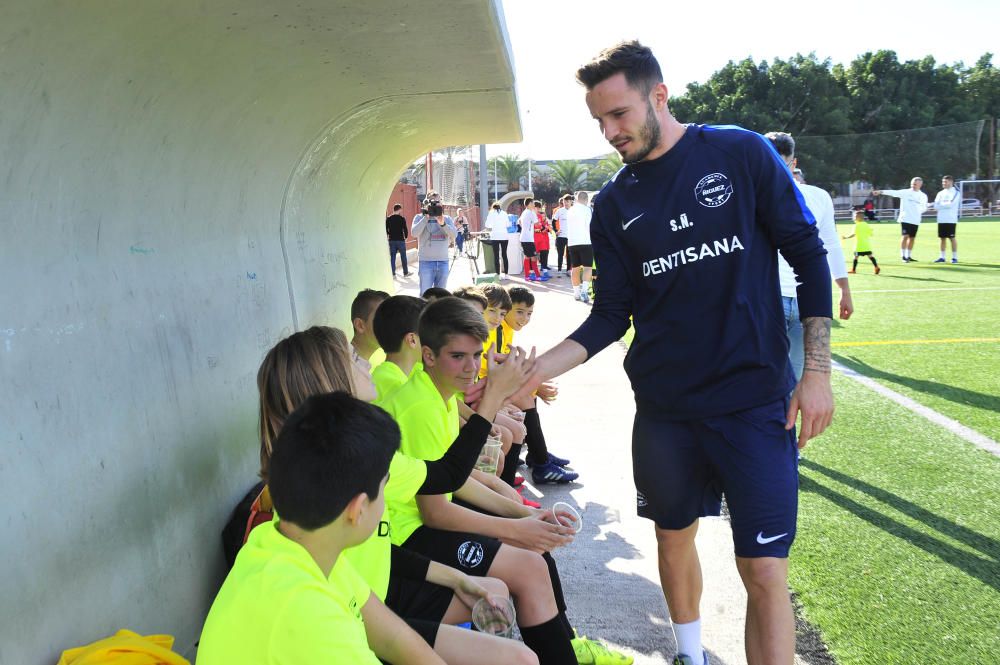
567, 515
489, 456
494, 616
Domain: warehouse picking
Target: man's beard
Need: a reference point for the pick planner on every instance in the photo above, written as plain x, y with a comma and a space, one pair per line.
649, 135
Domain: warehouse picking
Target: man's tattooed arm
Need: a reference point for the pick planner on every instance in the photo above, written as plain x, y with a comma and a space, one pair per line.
816, 341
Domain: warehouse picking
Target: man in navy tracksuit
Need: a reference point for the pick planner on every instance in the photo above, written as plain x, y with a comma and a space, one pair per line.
685, 236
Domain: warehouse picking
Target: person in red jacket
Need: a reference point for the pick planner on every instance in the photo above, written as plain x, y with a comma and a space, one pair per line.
542, 231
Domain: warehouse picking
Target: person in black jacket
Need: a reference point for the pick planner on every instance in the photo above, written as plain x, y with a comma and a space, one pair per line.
397, 233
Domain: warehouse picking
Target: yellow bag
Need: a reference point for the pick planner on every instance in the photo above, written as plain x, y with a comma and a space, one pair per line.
125, 648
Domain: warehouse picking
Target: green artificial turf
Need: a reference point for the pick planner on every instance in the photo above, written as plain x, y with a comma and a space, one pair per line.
897, 558
910, 321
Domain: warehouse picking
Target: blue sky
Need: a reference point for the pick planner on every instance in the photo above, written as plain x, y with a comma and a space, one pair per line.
551, 38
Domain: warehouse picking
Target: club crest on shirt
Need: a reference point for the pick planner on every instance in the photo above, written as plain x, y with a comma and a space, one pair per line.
713, 190
470, 554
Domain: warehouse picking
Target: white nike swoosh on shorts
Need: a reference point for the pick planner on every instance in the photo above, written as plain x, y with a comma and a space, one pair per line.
627, 224
764, 541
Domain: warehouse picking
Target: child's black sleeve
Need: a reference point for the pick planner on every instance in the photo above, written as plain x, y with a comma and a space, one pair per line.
451, 471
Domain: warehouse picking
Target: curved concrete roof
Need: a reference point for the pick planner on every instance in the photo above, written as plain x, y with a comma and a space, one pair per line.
181, 184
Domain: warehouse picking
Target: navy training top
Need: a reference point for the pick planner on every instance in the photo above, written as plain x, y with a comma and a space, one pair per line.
685, 244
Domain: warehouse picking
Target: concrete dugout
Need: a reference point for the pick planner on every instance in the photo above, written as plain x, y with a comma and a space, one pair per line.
181, 184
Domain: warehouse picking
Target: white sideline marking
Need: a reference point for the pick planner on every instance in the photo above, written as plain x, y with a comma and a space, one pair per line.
941, 288
953, 426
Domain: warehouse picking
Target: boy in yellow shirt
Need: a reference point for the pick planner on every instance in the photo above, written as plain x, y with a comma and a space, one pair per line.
290, 596
863, 246
395, 327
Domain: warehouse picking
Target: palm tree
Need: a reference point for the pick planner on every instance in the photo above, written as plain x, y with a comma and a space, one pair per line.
511, 169
569, 174
448, 190
609, 165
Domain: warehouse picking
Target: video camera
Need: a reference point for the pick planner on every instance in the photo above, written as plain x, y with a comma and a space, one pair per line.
433, 209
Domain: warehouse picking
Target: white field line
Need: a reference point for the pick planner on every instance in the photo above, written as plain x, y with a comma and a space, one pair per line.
953, 426
941, 288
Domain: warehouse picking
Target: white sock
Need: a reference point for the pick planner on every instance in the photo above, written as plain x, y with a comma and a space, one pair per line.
906, 253
954, 255
942, 254
688, 637
586, 288
576, 289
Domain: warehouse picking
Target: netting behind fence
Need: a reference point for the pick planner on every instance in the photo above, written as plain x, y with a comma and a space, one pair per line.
890, 159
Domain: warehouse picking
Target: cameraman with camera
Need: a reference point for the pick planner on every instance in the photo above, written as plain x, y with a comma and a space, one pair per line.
434, 232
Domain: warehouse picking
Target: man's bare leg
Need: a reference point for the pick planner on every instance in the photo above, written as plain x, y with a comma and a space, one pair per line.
770, 624
680, 574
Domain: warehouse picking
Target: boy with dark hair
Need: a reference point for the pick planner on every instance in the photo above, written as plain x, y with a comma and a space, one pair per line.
452, 333
362, 312
329, 466
435, 293
545, 466
395, 327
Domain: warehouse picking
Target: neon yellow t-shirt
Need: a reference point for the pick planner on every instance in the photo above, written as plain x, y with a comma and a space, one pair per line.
276, 607
372, 559
429, 426
388, 376
491, 344
863, 233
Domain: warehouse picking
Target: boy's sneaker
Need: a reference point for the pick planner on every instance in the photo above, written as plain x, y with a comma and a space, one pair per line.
544, 278
531, 278
578, 296
550, 473
585, 298
954, 260
592, 652
940, 260
877, 270
553, 458
684, 659
852, 272
518, 480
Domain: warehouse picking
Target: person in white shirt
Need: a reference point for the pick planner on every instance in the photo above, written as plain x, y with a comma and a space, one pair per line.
912, 204
562, 242
946, 203
497, 222
820, 205
526, 223
581, 253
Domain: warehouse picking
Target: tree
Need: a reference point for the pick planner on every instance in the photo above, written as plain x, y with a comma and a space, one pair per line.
605, 169
568, 174
511, 169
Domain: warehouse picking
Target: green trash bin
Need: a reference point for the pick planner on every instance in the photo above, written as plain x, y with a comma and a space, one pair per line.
488, 255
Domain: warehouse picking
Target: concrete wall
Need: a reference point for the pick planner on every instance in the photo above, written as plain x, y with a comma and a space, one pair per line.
181, 184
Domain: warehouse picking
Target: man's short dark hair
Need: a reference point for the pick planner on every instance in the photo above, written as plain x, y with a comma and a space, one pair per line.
948, 177
365, 302
636, 61
397, 208
449, 317
566, 197
496, 296
529, 201
330, 449
436, 292
782, 142
394, 319
521, 296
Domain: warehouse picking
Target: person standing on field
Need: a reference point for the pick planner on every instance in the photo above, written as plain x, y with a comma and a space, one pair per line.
685, 236
912, 204
946, 203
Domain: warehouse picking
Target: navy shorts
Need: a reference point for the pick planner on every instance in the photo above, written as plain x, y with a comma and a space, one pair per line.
682, 469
